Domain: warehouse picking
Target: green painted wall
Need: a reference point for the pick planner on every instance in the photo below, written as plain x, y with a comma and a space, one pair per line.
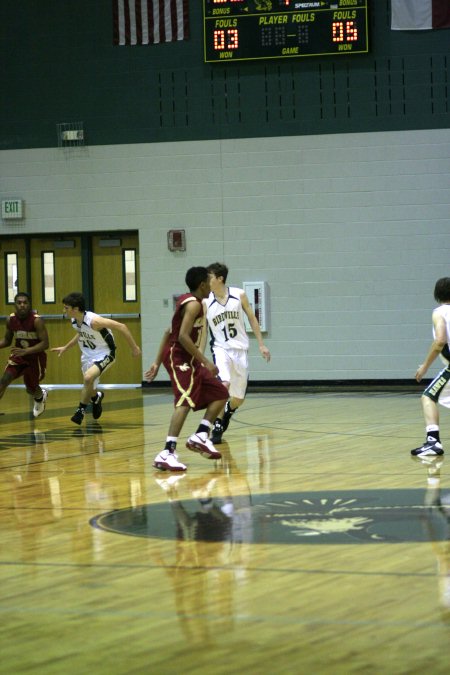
59, 65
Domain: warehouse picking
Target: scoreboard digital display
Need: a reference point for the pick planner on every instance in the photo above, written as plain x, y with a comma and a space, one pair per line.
245, 30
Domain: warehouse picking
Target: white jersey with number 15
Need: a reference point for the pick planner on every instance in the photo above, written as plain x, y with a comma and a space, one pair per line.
226, 321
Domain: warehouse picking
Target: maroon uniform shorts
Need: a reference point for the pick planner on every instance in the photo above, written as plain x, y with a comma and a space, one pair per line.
32, 369
192, 383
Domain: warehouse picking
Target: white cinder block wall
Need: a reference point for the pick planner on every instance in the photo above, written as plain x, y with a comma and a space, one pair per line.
349, 231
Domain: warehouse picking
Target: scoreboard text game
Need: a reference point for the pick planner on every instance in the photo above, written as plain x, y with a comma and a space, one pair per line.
244, 30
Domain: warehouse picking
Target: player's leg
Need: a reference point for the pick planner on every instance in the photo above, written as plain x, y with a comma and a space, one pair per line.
223, 361
231, 406
97, 396
31, 376
207, 392
436, 392
90, 377
167, 459
238, 386
200, 442
6, 380
89, 392
181, 380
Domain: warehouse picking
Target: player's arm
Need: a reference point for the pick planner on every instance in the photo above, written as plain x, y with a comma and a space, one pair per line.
41, 330
69, 345
253, 321
8, 338
191, 312
438, 344
100, 322
152, 372
41, 346
202, 344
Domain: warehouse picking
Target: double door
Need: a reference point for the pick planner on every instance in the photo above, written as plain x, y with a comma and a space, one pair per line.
105, 270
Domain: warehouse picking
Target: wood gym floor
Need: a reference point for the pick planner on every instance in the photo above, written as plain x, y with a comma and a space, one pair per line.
316, 545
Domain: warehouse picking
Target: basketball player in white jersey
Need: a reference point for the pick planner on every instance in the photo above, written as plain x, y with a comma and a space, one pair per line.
98, 350
439, 389
225, 308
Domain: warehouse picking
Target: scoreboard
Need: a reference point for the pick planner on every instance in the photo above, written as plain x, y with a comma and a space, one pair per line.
245, 30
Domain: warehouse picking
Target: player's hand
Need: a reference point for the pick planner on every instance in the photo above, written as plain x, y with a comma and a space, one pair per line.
60, 350
136, 351
152, 372
213, 369
265, 353
18, 351
420, 372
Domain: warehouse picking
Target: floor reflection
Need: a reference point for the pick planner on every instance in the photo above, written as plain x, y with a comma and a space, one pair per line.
436, 522
213, 534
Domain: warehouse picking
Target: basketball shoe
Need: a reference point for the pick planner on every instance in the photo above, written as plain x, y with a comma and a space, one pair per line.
78, 416
430, 447
200, 443
216, 434
39, 406
168, 461
226, 416
97, 405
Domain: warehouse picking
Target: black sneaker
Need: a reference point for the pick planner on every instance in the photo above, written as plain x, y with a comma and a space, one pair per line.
226, 417
97, 405
430, 447
216, 434
78, 417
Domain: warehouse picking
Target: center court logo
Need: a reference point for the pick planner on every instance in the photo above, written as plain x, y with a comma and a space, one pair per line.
329, 517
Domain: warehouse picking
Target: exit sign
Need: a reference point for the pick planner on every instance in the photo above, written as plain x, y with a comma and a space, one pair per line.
12, 208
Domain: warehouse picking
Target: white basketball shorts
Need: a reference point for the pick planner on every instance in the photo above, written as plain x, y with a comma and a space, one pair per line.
233, 368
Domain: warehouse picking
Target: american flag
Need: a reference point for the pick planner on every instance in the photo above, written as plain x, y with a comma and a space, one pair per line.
143, 22
420, 14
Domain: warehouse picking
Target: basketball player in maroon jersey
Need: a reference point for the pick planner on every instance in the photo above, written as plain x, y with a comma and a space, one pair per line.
27, 358
193, 376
